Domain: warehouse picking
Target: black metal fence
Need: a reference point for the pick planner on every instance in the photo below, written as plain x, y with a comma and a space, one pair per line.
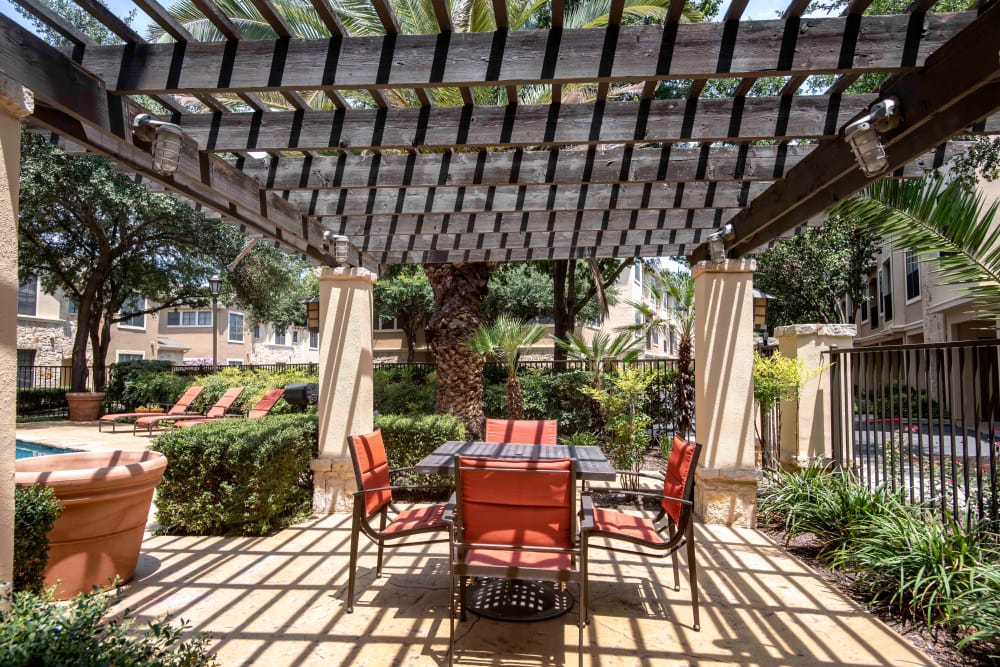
923, 420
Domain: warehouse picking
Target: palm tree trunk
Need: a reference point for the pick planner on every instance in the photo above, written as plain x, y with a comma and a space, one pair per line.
515, 399
684, 388
459, 290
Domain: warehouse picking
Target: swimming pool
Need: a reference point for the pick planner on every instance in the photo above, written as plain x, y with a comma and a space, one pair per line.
25, 450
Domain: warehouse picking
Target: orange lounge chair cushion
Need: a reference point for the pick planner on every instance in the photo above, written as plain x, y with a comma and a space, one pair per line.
418, 518
678, 467
619, 524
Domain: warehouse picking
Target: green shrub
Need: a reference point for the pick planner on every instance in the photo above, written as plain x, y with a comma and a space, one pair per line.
236, 476
36, 509
121, 373
40, 401
557, 395
410, 438
626, 425
153, 389
405, 389
37, 631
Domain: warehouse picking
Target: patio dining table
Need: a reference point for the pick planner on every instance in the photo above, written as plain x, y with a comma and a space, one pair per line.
518, 599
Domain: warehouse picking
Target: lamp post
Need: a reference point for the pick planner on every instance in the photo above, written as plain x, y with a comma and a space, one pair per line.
215, 288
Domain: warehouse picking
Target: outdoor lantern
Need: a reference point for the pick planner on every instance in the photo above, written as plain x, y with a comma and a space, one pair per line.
340, 244
167, 139
760, 300
215, 286
863, 136
312, 314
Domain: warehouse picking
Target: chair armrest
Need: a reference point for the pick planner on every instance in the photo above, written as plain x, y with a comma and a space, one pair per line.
449, 510
396, 488
586, 514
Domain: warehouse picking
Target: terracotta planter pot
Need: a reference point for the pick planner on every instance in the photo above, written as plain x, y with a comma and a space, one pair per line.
106, 498
84, 406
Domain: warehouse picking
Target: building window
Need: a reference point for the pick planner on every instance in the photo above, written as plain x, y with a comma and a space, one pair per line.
72, 306
885, 291
27, 297
279, 335
189, 318
673, 344
130, 356
137, 321
873, 299
25, 369
313, 340
295, 337
234, 362
656, 337
386, 323
256, 332
235, 327
637, 273
912, 276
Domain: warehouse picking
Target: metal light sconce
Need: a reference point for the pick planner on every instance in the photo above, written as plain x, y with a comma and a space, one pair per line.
863, 136
717, 243
312, 314
166, 138
760, 302
340, 246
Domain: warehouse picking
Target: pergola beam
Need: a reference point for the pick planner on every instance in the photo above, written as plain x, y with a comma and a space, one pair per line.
560, 240
670, 164
830, 45
529, 254
958, 87
670, 121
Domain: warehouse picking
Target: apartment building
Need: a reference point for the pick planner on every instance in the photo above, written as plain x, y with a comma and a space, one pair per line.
636, 285
46, 326
906, 304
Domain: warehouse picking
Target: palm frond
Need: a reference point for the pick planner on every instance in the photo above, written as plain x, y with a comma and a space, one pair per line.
941, 222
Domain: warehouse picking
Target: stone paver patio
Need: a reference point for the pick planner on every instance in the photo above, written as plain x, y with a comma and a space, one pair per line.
279, 600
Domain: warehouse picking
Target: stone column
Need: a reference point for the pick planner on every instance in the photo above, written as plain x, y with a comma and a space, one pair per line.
15, 103
805, 424
346, 402
726, 486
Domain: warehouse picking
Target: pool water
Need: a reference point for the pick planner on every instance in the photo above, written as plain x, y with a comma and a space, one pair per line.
25, 450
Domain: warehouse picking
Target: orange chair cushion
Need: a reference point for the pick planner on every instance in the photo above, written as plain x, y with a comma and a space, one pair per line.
372, 468
675, 479
266, 402
523, 431
416, 519
619, 524
533, 559
224, 403
527, 503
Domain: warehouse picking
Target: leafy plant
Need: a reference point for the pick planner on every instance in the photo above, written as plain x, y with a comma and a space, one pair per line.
504, 340
36, 509
776, 378
122, 373
35, 630
236, 476
255, 383
405, 389
154, 389
626, 425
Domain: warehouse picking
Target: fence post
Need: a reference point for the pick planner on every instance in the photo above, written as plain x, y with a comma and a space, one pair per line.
836, 407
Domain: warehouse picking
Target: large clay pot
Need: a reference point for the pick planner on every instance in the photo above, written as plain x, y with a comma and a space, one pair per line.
84, 406
106, 498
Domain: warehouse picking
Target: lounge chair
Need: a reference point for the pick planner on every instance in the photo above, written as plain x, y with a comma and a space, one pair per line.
178, 408
215, 412
260, 409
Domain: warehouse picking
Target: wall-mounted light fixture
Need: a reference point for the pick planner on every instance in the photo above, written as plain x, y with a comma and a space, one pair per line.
717, 243
338, 244
863, 136
312, 314
760, 302
166, 138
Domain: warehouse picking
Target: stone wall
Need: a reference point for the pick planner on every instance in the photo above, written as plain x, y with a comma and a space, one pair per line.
52, 340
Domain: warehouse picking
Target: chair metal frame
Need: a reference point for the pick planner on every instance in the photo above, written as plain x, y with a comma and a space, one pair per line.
459, 549
361, 520
679, 533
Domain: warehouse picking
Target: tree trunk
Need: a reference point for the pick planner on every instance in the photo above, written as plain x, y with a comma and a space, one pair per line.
459, 290
683, 388
515, 399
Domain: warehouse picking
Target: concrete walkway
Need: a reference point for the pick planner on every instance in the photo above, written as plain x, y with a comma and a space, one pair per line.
279, 601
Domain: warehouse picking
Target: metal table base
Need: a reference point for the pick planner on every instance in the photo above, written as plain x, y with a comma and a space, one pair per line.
517, 599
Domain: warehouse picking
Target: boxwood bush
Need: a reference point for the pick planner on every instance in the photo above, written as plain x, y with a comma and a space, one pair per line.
405, 389
123, 372
36, 509
236, 476
409, 438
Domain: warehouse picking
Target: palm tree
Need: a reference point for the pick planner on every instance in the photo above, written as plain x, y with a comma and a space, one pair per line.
503, 340
601, 352
945, 222
679, 288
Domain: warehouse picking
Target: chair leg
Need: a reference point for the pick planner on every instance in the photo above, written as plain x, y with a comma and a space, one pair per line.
671, 530
693, 574
451, 621
355, 534
381, 544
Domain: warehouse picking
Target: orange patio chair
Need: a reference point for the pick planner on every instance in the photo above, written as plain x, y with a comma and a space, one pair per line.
261, 408
523, 431
516, 519
217, 411
178, 408
675, 518
374, 497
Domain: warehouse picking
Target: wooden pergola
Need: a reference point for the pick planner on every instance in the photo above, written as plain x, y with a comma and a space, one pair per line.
598, 173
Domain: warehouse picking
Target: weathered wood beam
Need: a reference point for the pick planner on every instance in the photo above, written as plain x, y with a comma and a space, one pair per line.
703, 120
565, 166
478, 199
72, 103
958, 87
834, 45
485, 223
529, 254
560, 239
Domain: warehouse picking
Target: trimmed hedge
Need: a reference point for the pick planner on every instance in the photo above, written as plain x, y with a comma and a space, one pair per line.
236, 476
123, 372
36, 509
41, 401
410, 438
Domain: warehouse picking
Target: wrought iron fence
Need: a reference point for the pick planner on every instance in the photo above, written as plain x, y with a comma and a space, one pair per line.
923, 420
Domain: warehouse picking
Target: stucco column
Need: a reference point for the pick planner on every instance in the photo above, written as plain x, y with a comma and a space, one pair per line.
346, 401
805, 424
15, 103
726, 479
